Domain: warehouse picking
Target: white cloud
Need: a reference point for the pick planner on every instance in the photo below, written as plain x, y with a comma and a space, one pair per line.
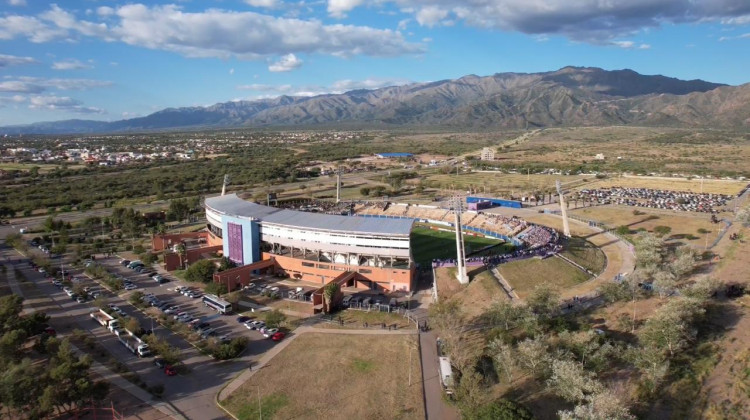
210, 33
339, 8
431, 15
593, 21
339, 86
373, 83
259, 87
644, 47
62, 103
27, 84
105, 11
70, 64
402, 24
269, 4
624, 44
288, 62
13, 60
15, 99
17, 2
231, 71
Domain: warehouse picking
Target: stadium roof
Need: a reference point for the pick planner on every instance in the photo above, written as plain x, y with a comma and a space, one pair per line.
232, 205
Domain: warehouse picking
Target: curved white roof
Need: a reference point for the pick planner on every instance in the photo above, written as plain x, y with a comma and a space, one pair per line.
232, 205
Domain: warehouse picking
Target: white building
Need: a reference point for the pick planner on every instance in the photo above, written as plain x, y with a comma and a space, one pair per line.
488, 153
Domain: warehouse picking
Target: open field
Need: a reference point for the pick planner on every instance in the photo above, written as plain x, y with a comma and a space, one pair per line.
714, 186
428, 244
331, 376
43, 168
475, 297
641, 149
524, 276
498, 183
684, 225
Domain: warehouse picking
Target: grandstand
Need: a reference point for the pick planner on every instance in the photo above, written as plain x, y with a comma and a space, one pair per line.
313, 246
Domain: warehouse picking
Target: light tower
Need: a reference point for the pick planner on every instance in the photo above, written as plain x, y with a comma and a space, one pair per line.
460, 252
224, 185
563, 209
338, 184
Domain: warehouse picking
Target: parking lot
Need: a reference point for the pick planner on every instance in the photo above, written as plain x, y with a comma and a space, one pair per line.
191, 392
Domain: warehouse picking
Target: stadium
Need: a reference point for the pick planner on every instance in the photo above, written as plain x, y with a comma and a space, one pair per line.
313, 247
371, 248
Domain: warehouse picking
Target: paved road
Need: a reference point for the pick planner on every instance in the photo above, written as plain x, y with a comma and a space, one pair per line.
435, 405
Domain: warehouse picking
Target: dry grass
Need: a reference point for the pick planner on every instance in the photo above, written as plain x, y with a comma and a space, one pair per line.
714, 186
330, 376
524, 276
475, 297
684, 225
488, 182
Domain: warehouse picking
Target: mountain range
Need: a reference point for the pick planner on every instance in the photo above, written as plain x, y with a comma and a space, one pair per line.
571, 96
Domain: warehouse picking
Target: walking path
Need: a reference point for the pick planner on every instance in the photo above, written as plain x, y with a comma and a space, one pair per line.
102, 370
505, 285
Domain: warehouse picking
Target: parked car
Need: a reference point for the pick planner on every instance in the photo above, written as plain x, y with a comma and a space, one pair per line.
201, 325
50, 331
270, 332
170, 370
80, 299
243, 319
278, 336
255, 325
346, 300
160, 363
125, 262
208, 332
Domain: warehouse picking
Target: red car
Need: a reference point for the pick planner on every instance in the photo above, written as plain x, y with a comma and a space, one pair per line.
278, 336
170, 371
50, 331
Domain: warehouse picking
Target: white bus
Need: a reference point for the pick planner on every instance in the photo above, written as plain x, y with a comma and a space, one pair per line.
221, 305
446, 374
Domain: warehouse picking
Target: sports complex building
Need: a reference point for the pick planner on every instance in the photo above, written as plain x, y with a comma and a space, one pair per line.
317, 248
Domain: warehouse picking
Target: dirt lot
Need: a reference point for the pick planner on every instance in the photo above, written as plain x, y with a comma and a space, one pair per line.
335, 376
715, 186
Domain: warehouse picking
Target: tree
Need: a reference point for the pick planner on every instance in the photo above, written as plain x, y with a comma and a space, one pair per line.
533, 357
470, 392
614, 292
664, 283
147, 258
685, 262
135, 298
225, 264
504, 358
505, 314
275, 318
602, 405
330, 291
502, 410
571, 382
662, 230
216, 288
743, 216
621, 230
201, 271
652, 363
365, 191
543, 301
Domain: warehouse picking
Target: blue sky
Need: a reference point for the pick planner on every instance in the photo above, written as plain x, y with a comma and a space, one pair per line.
108, 60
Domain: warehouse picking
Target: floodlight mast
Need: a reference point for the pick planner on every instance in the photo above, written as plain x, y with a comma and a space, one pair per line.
563, 209
224, 185
460, 250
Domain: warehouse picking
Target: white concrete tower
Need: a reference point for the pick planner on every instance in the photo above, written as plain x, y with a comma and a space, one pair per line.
224, 185
461, 275
563, 209
338, 184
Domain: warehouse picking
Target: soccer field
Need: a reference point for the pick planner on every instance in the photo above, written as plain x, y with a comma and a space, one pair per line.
428, 244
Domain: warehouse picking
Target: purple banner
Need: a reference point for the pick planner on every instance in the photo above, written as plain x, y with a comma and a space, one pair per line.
235, 243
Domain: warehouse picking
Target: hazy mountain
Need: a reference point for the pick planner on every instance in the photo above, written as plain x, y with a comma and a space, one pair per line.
570, 96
